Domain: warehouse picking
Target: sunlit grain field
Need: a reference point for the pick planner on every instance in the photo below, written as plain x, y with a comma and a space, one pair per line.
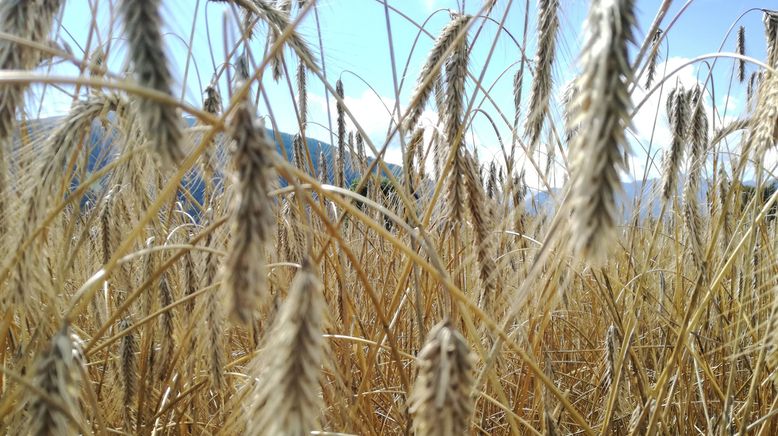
185, 253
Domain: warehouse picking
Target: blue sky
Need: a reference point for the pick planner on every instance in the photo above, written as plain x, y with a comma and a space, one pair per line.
356, 46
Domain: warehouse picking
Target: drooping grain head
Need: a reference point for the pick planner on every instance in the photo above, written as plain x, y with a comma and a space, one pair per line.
210, 332
421, 156
609, 357
741, 50
431, 70
414, 144
298, 154
724, 208
28, 20
161, 123
698, 126
771, 340
691, 215
128, 373
441, 400
763, 134
324, 175
570, 111
243, 66
276, 61
456, 72
278, 21
286, 399
340, 176
252, 215
653, 57
58, 374
600, 147
166, 324
770, 19
518, 79
302, 96
213, 99
678, 114
751, 88
481, 217
548, 25
491, 181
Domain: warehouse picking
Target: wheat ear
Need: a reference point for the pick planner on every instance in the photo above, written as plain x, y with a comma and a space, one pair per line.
481, 216
548, 26
340, 176
161, 123
29, 20
770, 19
278, 21
277, 61
429, 74
764, 129
741, 50
653, 57
286, 400
302, 96
58, 375
128, 373
441, 400
771, 339
603, 112
456, 72
252, 215
678, 113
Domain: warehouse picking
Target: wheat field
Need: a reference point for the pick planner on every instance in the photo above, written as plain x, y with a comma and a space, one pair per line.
183, 267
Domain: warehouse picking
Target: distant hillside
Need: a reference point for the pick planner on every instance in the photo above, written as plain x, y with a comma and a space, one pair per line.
102, 152
626, 202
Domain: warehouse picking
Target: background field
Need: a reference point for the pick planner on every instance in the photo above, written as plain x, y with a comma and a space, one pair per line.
367, 217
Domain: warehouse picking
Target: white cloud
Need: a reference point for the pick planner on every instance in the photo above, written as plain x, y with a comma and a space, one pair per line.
371, 111
430, 4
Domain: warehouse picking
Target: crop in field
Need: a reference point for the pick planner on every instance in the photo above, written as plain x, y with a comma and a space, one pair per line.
560, 221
